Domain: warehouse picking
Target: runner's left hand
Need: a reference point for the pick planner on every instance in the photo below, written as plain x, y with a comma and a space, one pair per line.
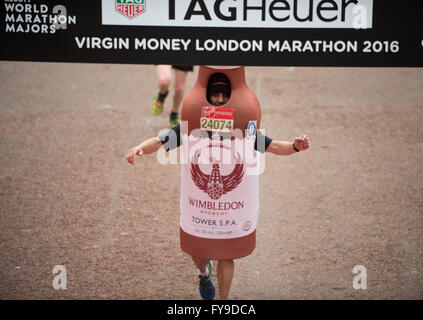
302, 143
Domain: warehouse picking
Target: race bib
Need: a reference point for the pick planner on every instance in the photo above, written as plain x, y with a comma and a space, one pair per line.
217, 119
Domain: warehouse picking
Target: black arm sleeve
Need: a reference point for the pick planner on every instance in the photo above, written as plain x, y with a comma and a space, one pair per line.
172, 139
262, 142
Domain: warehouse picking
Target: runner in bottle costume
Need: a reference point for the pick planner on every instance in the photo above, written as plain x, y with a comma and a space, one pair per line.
213, 191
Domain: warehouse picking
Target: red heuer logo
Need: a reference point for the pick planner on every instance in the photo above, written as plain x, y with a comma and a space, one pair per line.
130, 8
214, 184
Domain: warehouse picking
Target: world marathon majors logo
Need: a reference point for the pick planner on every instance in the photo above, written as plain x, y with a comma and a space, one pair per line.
130, 8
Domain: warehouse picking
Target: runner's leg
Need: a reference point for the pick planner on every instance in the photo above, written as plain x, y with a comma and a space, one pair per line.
179, 87
206, 287
164, 77
225, 274
200, 263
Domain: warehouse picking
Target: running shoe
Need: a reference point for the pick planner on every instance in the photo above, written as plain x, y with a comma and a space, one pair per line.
206, 285
174, 119
157, 106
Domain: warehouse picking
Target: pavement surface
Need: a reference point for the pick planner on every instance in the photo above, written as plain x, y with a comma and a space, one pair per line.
68, 197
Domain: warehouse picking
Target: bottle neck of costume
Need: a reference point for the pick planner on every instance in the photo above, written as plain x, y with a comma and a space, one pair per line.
236, 76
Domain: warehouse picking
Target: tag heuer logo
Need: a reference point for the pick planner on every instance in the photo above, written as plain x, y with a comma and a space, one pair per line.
130, 8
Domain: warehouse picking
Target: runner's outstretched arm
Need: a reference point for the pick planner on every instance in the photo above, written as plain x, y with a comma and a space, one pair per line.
148, 146
285, 148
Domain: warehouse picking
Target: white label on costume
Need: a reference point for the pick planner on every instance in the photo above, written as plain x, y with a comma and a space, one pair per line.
219, 198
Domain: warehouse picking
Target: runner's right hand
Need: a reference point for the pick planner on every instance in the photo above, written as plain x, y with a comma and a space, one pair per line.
131, 155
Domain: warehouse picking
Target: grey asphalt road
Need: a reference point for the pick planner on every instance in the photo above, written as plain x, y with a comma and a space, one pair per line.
68, 197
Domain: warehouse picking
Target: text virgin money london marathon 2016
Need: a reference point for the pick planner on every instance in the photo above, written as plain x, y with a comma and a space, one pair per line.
35, 18
228, 45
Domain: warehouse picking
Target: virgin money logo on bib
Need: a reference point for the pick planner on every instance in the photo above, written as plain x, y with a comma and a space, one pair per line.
215, 184
130, 8
207, 112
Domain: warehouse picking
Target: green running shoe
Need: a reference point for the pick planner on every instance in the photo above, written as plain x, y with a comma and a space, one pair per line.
174, 119
207, 290
157, 106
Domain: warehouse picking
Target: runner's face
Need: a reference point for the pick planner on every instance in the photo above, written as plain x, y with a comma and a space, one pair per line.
218, 98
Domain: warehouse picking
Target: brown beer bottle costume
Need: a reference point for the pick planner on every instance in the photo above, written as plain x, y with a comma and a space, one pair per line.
246, 109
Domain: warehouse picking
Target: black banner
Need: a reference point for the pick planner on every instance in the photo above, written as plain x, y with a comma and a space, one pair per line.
231, 309
368, 33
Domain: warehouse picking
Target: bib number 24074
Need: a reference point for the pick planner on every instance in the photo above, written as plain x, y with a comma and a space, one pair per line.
217, 119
